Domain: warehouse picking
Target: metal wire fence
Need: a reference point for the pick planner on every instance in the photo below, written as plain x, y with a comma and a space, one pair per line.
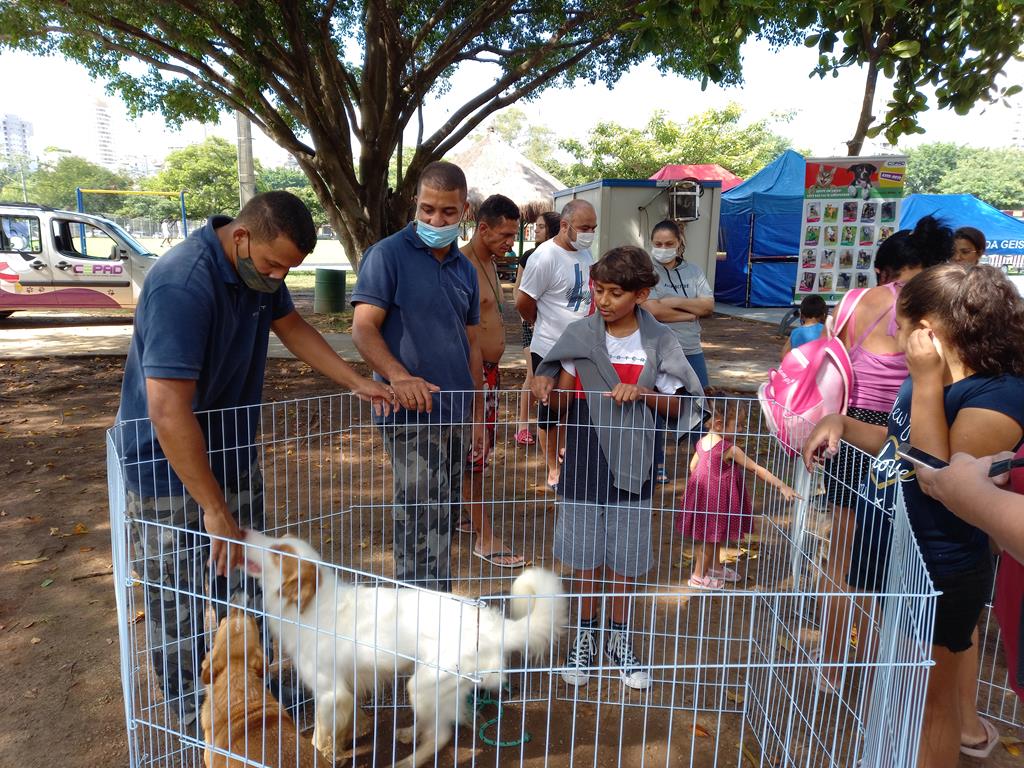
782, 664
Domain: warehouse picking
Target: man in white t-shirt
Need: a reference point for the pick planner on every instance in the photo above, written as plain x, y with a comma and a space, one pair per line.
555, 291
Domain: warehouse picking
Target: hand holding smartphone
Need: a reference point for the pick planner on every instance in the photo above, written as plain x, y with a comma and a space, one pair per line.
919, 458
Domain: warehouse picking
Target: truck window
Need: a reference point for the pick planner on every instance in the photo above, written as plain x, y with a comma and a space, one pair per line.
98, 244
20, 233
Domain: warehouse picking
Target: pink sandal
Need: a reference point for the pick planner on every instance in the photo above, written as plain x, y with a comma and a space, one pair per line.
706, 582
523, 437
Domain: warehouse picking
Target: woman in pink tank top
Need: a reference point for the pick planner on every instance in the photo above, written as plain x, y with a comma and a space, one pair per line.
879, 368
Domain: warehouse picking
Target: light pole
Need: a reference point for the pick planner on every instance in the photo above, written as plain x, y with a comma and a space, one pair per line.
246, 169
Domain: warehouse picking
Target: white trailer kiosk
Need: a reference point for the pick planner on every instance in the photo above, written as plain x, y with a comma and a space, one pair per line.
627, 209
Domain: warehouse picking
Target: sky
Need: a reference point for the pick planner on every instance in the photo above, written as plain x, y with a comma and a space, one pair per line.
59, 100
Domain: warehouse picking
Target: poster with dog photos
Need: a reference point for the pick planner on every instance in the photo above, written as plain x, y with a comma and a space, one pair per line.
851, 205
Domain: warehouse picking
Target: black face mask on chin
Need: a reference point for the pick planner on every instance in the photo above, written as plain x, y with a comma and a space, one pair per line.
251, 276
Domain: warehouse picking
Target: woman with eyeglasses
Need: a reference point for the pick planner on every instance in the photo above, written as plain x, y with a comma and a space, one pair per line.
968, 246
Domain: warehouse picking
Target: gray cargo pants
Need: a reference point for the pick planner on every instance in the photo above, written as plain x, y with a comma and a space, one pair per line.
171, 557
427, 462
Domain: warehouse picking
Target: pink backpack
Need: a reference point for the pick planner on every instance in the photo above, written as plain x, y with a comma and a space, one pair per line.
812, 381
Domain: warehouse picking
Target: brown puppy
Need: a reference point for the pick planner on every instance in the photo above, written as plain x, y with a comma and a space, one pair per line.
239, 715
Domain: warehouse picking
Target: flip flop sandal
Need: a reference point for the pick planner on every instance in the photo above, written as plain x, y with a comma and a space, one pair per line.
465, 524
493, 558
984, 748
706, 582
523, 437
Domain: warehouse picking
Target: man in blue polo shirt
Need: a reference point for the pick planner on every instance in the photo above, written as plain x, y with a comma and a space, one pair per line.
200, 344
417, 312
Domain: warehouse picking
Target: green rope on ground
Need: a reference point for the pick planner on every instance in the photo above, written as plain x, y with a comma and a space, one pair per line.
483, 699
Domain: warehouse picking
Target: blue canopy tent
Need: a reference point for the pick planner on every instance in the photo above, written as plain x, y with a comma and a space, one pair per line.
760, 234
1004, 235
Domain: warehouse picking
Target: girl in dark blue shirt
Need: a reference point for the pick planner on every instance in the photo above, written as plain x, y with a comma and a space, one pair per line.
963, 334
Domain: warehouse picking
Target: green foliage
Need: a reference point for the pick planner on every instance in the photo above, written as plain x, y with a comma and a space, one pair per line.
959, 48
280, 178
295, 181
337, 84
207, 172
927, 164
714, 136
11, 169
54, 184
509, 125
994, 175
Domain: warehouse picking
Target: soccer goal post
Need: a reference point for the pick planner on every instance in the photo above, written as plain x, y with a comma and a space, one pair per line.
80, 201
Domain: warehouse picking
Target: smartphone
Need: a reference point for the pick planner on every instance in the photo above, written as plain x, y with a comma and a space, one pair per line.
918, 457
1000, 467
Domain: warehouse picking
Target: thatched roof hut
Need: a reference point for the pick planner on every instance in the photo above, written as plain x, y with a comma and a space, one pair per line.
495, 167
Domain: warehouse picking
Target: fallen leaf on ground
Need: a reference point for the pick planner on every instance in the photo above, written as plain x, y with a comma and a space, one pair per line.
79, 529
46, 582
33, 561
700, 730
54, 530
86, 549
36, 640
736, 697
110, 641
139, 616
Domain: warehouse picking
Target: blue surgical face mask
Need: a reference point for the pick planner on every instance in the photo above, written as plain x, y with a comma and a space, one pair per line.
437, 237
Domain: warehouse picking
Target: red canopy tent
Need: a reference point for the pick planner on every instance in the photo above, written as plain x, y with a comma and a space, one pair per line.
707, 172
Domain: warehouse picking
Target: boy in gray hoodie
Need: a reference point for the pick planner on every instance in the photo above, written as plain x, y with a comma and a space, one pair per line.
607, 375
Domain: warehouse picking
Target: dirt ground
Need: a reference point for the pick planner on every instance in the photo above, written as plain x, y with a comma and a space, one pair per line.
58, 634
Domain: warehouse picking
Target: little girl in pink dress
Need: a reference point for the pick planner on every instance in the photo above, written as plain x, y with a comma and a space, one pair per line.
716, 507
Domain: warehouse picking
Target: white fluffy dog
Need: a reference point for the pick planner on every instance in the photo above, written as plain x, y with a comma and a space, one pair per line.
345, 639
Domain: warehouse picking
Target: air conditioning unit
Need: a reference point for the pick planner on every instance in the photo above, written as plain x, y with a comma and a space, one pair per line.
684, 201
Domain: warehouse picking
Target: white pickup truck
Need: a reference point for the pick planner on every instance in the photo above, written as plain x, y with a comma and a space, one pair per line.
53, 259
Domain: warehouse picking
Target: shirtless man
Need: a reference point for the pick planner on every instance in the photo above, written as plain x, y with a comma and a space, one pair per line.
497, 224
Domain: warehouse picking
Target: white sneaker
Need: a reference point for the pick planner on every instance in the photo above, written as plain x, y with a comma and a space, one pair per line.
581, 658
619, 651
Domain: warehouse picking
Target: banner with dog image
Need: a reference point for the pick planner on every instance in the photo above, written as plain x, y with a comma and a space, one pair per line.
851, 205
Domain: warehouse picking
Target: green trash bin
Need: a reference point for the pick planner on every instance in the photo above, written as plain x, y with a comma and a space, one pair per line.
329, 290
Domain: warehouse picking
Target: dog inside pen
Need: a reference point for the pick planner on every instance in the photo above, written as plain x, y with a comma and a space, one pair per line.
373, 672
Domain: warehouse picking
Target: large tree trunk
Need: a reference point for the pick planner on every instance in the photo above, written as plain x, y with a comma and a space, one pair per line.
856, 144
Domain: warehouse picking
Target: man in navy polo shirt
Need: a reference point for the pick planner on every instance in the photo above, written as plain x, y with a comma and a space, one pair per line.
417, 312
200, 344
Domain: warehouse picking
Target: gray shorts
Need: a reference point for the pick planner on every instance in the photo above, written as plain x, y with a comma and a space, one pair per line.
618, 536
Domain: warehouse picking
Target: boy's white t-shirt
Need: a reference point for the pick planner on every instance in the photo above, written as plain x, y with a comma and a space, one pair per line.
628, 358
559, 281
